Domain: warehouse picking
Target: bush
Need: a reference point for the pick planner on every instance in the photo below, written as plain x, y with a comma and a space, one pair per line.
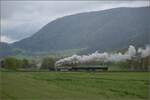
12, 63
25, 63
124, 64
33, 64
48, 63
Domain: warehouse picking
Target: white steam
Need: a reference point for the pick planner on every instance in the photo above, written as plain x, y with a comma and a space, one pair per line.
144, 52
131, 51
105, 57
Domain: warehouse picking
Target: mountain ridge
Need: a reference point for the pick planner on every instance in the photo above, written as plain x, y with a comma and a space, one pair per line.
105, 30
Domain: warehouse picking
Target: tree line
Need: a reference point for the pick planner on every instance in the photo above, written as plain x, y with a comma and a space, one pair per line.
13, 63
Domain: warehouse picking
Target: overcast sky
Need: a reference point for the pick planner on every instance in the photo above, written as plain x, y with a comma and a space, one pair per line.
20, 19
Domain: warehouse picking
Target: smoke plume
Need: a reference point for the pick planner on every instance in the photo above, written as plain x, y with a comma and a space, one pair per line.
105, 57
144, 52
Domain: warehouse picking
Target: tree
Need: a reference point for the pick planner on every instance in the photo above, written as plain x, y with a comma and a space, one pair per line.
25, 63
2, 64
33, 64
12, 63
145, 63
48, 63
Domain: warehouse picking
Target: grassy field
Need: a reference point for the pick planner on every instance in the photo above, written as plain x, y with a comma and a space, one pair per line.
74, 86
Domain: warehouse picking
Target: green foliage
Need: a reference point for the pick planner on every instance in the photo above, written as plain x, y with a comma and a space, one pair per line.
12, 63
33, 64
119, 66
146, 63
135, 64
123, 64
48, 63
25, 63
17, 64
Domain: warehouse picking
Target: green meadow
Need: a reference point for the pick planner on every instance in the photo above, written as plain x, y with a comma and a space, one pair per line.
74, 85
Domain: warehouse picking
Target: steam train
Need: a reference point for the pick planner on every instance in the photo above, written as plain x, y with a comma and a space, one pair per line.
93, 66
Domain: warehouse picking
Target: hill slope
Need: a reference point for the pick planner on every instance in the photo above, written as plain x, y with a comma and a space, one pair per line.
5, 49
102, 30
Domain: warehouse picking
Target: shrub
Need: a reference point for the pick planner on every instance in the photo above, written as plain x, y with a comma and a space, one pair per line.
12, 63
25, 63
48, 63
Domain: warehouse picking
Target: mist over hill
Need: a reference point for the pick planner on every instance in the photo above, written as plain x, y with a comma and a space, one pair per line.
107, 30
